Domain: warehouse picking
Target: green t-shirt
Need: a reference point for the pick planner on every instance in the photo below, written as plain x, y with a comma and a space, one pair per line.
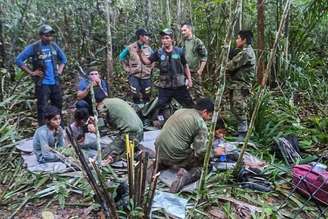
195, 52
121, 115
183, 135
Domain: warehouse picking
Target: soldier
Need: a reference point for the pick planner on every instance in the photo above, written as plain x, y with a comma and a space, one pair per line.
139, 74
196, 55
182, 142
45, 55
240, 77
122, 117
174, 76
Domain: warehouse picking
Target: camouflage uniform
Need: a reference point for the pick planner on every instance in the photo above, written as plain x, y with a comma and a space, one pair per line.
196, 53
182, 141
240, 77
121, 116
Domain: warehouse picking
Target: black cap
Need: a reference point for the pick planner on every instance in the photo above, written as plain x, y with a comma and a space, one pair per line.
166, 31
44, 29
142, 32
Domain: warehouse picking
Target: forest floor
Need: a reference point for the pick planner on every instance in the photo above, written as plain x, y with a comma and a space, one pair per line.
25, 194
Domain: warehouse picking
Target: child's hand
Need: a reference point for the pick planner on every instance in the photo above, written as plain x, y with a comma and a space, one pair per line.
219, 151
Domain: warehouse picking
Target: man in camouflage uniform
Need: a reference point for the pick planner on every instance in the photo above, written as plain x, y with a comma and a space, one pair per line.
139, 74
240, 77
174, 77
182, 142
196, 55
122, 117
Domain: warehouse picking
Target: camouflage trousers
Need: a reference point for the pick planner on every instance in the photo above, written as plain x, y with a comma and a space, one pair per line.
196, 91
117, 147
238, 99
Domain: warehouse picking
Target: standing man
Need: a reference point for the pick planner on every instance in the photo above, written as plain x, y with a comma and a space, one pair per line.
48, 62
174, 78
196, 55
139, 73
240, 72
182, 142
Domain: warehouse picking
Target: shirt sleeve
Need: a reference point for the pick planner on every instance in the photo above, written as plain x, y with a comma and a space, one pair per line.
60, 55
237, 62
83, 85
154, 56
202, 51
123, 55
61, 141
46, 154
183, 57
24, 55
199, 142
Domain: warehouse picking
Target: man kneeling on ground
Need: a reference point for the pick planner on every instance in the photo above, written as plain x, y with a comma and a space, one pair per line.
182, 142
48, 136
122, 117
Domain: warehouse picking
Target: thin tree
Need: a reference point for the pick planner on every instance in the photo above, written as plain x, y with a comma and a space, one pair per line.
109, 59
260, 39
219, 93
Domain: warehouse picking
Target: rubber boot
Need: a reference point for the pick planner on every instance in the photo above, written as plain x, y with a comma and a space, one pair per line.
184, 178
242, 130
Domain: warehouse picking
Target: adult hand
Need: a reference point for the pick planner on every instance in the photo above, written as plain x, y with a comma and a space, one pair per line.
189, 83
37, 72
199, 73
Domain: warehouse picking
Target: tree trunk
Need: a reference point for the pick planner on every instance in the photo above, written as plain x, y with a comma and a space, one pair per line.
168, 13
2, 43
109, 59
260, 40
148, 13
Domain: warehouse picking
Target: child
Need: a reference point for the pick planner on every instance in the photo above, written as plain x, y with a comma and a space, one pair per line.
48, 136
218, 143
83, 129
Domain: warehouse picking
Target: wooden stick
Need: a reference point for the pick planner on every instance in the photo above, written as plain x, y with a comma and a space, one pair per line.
151, 194
91, 179
108, 198
224, 56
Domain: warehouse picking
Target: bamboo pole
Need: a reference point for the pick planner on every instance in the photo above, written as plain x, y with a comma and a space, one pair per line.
95, 114
219, 93
87, 171
263, 86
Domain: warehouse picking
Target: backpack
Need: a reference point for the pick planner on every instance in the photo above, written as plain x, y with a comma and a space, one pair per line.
287, 148
311, 183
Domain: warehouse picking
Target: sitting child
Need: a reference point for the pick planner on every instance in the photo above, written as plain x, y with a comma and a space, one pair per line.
218, 143
83, 129
48, 136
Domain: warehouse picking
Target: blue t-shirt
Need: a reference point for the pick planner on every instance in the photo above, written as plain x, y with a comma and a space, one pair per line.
48, 71
100, 91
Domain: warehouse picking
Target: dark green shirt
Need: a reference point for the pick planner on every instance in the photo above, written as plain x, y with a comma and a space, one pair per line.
121, 115
195, 51
183, 135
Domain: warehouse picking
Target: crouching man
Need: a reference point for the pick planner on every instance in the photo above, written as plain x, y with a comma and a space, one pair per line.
182, 142
122, 117
48, 136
